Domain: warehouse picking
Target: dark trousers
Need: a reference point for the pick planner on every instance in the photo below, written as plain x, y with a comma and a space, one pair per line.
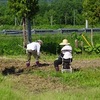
32, 53
57, 62
65, 62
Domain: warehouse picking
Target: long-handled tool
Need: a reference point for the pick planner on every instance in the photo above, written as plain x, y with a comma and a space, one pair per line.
86, 40
21, 46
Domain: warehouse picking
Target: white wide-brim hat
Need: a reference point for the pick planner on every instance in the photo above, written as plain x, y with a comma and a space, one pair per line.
40, 41
64, 42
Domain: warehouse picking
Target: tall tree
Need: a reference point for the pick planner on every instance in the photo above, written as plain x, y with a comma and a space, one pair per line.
26, 9
92, 13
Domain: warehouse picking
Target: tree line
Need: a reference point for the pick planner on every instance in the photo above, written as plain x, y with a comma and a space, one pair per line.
53, 12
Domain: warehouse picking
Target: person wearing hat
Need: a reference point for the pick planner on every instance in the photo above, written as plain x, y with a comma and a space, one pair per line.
33, 49
65, 57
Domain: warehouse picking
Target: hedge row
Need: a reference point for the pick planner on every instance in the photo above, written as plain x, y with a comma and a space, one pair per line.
9, 43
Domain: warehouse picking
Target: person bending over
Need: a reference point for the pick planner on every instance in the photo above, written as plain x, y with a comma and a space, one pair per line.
33, 49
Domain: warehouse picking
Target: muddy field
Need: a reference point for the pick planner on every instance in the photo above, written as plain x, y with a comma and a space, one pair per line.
34, 83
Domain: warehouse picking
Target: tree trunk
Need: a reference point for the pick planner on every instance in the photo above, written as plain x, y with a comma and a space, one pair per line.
24, 33
29, 30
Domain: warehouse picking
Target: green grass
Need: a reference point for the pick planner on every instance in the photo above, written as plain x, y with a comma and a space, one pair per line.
6, 91
75, 94
85, 56
82, 85
88, 77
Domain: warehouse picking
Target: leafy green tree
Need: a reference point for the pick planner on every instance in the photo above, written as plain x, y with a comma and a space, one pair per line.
92, 13
59, 12
5, 17
51, 14
65, 10
26, 9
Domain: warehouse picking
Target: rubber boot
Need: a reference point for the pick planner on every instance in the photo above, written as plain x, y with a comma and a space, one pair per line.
37, 63
28, 64
57, 69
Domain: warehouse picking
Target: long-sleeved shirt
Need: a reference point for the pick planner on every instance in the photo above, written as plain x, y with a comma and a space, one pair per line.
67, 51
34, 46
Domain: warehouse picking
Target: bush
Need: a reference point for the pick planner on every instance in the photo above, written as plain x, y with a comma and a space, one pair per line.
9, 44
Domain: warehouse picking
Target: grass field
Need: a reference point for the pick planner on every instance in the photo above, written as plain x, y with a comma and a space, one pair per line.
44, 83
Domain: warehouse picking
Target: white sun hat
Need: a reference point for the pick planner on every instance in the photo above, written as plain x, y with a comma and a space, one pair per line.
64, 42
40, 41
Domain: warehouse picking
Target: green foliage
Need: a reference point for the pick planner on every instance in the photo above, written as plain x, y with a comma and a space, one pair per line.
10, 27
9, 44
77, 50
95, 49
5, 17
88, 49
23, 8
91, 11
62, 11
77, 36
51, 42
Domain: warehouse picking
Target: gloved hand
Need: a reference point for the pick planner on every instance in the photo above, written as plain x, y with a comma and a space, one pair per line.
39, 56
61, 54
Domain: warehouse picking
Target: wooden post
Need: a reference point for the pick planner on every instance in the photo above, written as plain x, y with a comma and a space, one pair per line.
82, 45
24, 33
92, 37
76, 43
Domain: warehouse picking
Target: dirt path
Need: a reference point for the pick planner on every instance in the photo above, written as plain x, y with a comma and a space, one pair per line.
20, 63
